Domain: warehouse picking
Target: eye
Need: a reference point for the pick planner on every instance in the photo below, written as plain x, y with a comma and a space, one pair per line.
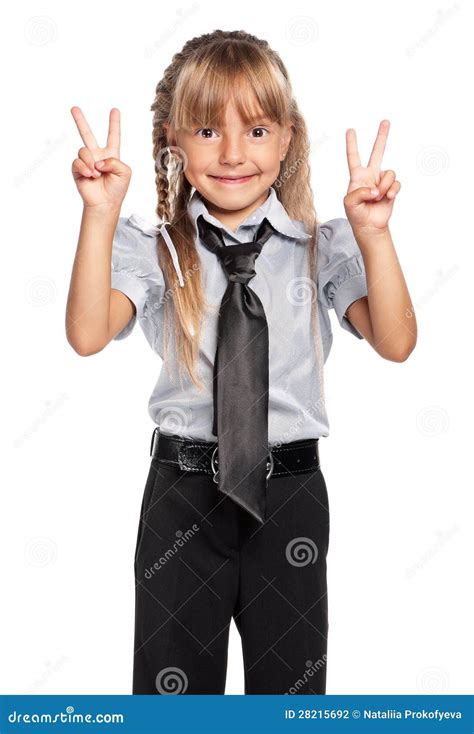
206, 130
260, 128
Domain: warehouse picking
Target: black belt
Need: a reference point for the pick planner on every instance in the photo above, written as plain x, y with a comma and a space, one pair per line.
202, 456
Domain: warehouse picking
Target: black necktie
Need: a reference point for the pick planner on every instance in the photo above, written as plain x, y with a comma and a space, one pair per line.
240, 382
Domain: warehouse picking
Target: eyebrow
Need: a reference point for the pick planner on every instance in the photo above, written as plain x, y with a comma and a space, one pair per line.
263, 118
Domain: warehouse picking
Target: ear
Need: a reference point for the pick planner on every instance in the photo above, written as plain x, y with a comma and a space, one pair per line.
170, 136
285, 141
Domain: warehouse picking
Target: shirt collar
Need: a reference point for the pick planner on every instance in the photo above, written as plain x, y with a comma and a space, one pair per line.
272, 209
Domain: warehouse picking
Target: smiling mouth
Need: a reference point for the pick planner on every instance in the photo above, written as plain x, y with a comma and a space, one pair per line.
233, 179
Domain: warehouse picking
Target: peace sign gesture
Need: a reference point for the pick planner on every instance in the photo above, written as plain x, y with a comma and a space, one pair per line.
101, 177
365, 210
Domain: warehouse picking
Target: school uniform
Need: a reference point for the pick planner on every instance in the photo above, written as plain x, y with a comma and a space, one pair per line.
201, 559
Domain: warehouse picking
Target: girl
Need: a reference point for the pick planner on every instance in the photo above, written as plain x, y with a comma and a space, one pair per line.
232, 291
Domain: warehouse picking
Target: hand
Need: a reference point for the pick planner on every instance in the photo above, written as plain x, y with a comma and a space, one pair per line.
104, 185
369, 213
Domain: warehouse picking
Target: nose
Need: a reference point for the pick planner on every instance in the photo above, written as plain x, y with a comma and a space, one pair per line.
232, 151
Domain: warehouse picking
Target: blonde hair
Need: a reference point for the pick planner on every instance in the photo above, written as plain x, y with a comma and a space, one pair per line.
194, 90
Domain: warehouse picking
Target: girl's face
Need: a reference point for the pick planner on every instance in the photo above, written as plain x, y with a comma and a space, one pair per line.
234, 167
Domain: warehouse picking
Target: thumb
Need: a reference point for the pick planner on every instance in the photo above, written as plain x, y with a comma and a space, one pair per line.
363, 193
112, 165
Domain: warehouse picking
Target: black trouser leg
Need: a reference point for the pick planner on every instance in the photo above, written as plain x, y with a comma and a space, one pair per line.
187, 573
282, 608
201, 560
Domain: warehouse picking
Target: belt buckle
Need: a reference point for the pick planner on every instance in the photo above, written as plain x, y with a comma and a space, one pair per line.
215, 472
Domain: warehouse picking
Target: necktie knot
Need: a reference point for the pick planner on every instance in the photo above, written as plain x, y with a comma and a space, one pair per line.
238, 260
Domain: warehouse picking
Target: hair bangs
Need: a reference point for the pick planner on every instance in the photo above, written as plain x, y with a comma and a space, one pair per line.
209, 81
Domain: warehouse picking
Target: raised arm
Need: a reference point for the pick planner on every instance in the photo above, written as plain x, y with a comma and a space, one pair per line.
95, 312
385, 317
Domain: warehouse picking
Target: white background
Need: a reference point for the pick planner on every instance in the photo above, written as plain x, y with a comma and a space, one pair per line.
76, 430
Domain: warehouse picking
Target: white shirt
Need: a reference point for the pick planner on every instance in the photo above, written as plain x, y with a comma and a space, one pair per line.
296, 395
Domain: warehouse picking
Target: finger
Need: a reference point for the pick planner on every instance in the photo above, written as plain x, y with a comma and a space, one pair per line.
83, 126
113, 136
357, 196
393, 190
375, 159
386, 180
80, 169
353, 159
114, 165
86, 155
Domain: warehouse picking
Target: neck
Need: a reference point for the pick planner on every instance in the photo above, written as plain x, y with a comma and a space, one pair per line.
233, 218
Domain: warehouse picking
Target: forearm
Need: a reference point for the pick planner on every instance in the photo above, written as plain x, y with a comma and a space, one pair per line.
88, 305
391, 311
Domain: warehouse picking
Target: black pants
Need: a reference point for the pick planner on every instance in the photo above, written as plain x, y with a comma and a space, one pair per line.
202, 560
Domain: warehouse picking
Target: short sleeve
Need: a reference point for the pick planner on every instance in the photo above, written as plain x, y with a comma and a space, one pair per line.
135, 268
341, 275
